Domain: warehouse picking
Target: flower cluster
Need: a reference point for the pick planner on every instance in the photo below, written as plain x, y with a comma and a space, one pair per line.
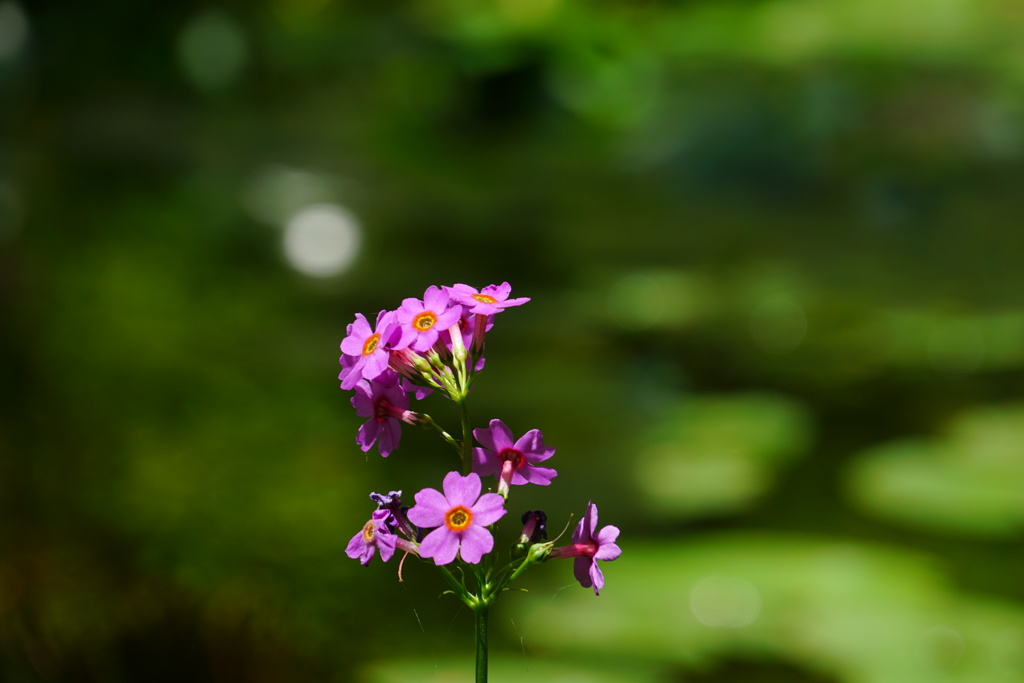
437, 344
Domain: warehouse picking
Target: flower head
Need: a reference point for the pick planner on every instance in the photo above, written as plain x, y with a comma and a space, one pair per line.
366, 347
588, 547
375, 535
512, 460
487, 301
421, 321
386, 403
460, 515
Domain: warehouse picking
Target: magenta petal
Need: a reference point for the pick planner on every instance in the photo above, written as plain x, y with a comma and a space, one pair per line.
596, 577
476, 541
484, 437
461, 490
357, 547
541, 476
489, 509
608, 552
484, 462
386, 545
581, 570
367, 434
435, 299
607, 535
390, 435
440, 544
430, 509
501, 435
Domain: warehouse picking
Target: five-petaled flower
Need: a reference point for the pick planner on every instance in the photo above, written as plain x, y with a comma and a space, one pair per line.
460, 515
367, 348
422, 321
375, 535
588, 547
512, 460
386, 403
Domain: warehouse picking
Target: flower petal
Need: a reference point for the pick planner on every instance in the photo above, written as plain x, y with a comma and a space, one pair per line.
488, 510
461, 490
596, 577
429, 510
440, 544
581, 570
476, 541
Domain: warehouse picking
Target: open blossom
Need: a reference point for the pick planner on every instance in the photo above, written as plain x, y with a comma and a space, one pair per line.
367, 349
375, 535
487, 301
460, 515
588, 547
512, 460
421, 321
386, 404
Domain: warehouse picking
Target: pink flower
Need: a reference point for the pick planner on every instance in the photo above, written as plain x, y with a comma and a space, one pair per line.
589, 547
386, 404
366, 347
422, 321
460, 519
488, 301
512, 460
375, 535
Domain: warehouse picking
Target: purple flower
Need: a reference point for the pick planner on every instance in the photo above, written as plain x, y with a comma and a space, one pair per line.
589, 547
488, 301
512, 460
375, 535
422, 321
460, 519
385, 402
367, 347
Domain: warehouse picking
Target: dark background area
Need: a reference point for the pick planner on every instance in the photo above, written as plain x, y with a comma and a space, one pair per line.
776, 333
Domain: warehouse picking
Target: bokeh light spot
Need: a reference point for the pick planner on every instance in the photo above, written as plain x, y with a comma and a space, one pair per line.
13, 30
322, 240
212, 51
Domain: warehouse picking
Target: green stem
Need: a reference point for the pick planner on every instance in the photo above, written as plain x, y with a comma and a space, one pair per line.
480, 619
467, 434
428, 421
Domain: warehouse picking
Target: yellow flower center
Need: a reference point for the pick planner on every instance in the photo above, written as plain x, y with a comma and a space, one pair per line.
484, 298
458, 518
371, 344
424, 321
368, 531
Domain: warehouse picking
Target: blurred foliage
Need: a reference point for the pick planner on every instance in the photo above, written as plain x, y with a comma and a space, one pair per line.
776, 331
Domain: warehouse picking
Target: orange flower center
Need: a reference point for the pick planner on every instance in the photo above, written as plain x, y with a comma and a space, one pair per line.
368, 531
424, 321
371, 344
484, 298
458, 518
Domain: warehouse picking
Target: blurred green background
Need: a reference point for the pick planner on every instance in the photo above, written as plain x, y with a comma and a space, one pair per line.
774, 249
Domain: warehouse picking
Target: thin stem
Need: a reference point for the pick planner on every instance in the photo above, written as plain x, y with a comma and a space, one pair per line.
467, 434
428, 421
480, 621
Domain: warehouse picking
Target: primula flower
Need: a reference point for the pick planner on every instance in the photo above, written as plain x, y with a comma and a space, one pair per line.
422, 321
460, 519
588, 547
512, 460
367, 347
385, 402
375, 535
488, 301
